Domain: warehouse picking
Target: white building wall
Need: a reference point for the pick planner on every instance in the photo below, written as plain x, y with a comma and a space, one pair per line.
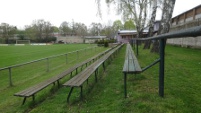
185, 42
70, 39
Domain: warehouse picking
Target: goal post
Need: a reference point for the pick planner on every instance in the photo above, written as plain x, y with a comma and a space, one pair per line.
23, 41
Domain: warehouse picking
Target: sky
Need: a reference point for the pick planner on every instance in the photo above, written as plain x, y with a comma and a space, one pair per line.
22, 12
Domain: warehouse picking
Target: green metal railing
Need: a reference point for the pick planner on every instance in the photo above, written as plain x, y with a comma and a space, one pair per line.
190, 32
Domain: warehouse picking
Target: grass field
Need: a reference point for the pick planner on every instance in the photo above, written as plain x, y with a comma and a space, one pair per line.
11, 55
182, 88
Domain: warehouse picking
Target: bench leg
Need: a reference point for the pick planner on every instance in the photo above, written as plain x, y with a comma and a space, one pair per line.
125, 90
87, 81
24, 100
76, 71
81, 92
33, 97
69, 94
58, 83
71, 74
96, 72
104, 66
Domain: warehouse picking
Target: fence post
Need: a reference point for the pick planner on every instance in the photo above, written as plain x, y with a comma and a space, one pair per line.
77, 55
66, 59
47, 64
137, 47
10, 77
161, 68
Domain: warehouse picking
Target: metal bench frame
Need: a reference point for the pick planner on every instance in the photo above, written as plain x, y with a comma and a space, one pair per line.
131, 66
78, 80
31, 91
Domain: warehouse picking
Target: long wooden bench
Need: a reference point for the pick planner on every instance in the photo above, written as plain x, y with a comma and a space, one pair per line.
31, 91
131, 65
78, 80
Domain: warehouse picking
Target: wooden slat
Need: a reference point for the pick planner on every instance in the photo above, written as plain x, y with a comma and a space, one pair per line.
131, 64
79, 79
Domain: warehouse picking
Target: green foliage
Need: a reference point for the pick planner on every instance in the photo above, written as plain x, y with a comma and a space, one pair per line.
129, 25
106, 43
117, 25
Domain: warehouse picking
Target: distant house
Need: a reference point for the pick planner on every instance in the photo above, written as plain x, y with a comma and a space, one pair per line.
125, 36
92, 39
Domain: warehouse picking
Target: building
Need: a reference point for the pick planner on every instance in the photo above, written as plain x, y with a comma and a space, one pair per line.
190, 18
93, 39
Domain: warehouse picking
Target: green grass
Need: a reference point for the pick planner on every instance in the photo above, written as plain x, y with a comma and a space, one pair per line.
11, 55
28, 75
182, 88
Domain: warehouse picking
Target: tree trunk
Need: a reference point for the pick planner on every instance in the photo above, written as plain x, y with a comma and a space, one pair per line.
168, 7
147, 44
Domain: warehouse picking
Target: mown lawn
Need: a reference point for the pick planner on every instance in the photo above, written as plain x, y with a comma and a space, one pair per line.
182, 88
31, 74
11, 55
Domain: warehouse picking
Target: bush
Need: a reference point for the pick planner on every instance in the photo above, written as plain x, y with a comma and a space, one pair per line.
106, 44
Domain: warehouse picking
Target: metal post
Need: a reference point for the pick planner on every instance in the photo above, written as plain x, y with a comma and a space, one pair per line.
77, 55
47, 64
81, 92
10, 77
137, 47
125, 90
66, 59
161, 71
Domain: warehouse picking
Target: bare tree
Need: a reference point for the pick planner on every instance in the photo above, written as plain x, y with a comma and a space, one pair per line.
151, 23
47, 30
168, 7
136, 10
7, 31
80, 29
95, 29
65, 28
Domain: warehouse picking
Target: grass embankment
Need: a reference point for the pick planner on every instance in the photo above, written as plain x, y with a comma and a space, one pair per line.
182, 88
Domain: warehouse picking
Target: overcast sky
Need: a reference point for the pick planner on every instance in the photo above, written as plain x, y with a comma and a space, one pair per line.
22, 12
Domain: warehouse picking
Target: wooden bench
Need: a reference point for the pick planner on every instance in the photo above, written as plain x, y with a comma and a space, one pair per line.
78, 80
31, 91
131, 65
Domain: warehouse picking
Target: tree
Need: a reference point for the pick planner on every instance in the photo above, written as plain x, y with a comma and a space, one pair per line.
168, 7
38, 26
129, 25
65, 28
117, 25
20, 34
40, 30
7, 31
80, 29
55, 29
137, 10
108, 31
47, 30
151, 23
95, 29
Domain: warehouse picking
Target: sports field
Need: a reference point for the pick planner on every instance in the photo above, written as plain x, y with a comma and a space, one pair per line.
11, 55
182, 87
